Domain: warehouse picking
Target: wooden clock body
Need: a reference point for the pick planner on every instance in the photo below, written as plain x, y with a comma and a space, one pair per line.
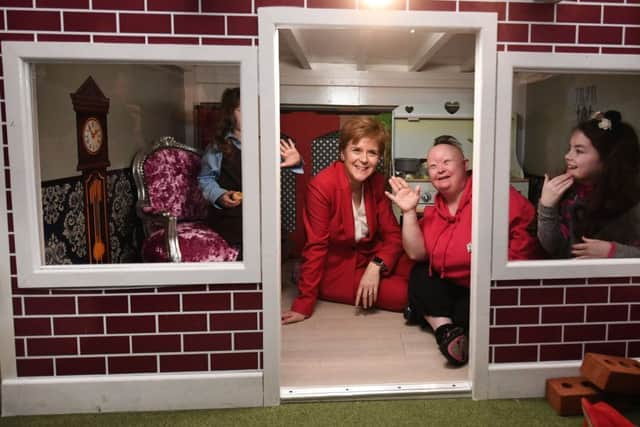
91, 107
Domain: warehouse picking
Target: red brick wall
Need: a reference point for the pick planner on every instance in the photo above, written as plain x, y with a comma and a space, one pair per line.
183, 328
561, 319
210, 328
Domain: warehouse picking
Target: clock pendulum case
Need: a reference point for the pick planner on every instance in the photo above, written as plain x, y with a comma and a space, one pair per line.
91, 107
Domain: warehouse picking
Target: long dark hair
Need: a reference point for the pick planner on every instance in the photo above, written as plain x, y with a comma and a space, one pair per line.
617, 188
227, 122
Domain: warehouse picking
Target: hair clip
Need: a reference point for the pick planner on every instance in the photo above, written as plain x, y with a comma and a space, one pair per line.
603, 122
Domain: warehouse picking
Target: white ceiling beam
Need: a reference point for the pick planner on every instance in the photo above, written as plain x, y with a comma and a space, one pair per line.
429, 48
292, 38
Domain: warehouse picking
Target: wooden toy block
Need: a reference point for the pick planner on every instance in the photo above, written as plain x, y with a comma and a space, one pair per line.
564, 394
612, 373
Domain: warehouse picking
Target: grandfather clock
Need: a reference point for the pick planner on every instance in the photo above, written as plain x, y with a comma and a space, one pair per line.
91, 107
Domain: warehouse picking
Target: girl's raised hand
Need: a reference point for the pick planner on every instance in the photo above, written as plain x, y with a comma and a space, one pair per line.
289, 154
554, 188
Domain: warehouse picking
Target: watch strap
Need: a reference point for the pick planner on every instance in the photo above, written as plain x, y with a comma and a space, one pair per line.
379, 262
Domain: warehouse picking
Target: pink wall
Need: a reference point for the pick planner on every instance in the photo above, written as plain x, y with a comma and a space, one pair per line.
212, 328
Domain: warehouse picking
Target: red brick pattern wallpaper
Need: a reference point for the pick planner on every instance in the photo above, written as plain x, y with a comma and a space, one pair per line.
173, 329
213, 328
552, 320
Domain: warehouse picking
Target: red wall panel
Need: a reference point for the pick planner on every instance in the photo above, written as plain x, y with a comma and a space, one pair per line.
173, 5
80, 366
104, 345
513, 32
532, 12
184, 362
578, 13
132, 364
78, 325
182, 322
537, 334
583, 294
198, 24
585, 333
66, 4
93, 22
118, 4
435, 5
145, 23
33, 20
484, 6
30, 326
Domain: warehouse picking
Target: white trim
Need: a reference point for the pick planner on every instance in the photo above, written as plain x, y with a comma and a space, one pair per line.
270, 184
526, 380
118, 393
508, 63
25, 167
482, 202
7, 339
485, 26
455, 389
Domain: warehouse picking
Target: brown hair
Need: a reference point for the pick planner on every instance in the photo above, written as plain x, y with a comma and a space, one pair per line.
356, 128
617, 189
227, 122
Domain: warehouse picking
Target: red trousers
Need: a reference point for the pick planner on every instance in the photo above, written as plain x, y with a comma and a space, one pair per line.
392, 291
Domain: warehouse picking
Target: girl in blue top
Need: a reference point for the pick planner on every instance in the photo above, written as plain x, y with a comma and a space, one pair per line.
221, 170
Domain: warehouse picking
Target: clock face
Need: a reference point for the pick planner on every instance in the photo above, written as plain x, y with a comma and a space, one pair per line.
92, 135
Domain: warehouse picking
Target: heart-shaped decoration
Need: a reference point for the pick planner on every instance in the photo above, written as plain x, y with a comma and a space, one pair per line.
408, 109
452, 106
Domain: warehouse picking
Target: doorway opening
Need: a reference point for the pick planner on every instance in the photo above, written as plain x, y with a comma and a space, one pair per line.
361, 63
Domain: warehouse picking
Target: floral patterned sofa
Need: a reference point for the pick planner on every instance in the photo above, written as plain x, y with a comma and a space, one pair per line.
172, 207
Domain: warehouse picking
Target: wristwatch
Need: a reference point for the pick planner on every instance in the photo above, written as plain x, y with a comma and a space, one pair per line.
379, 262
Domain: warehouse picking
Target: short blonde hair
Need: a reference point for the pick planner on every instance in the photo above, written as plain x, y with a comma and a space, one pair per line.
360, 127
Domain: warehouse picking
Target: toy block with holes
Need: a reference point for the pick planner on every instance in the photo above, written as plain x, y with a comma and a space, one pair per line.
612, 374
564, 394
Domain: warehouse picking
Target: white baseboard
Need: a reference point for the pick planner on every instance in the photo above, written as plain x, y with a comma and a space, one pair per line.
93, 394
526, 380
454, 389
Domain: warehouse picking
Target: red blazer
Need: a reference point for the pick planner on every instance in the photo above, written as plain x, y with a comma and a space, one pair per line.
333, 262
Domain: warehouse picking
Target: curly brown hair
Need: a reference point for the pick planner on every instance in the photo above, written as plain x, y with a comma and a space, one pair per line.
617, 188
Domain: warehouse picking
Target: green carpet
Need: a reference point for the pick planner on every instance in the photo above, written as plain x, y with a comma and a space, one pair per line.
432, 412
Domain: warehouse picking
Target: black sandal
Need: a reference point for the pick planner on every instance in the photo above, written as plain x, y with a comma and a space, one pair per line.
453, 344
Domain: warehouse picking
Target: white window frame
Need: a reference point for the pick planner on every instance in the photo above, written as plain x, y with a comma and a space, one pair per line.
484, 25
508, 64
25, 166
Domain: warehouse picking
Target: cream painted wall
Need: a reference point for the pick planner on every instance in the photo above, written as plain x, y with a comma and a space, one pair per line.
551, 114
146, 102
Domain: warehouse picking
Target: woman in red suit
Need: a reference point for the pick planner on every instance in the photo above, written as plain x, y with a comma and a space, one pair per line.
353, 253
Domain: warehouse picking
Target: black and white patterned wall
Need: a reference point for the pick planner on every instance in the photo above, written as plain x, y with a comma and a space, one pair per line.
64, 222
324, 151
288, 201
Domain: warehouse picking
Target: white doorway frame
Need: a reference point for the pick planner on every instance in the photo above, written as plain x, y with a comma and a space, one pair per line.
484, 25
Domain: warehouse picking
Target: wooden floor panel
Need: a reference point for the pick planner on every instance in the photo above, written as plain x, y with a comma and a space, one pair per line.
341, 345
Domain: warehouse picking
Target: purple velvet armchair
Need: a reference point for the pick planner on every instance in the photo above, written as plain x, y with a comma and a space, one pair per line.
172, 207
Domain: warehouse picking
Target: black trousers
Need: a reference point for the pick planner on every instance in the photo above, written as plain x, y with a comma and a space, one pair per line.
433, 296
